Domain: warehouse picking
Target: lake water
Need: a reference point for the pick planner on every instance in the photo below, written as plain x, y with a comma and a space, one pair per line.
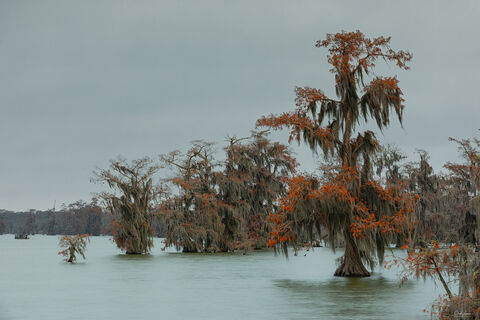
36, 284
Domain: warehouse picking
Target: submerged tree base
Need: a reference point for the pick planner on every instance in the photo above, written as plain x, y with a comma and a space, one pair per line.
351, 263
351, 271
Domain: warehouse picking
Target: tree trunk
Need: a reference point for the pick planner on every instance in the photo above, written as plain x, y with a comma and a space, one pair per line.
71, 257
445, 285
187, 249
475, 203
352, 265
476, 284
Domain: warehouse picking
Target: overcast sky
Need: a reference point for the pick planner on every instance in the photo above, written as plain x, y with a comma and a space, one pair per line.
84, 81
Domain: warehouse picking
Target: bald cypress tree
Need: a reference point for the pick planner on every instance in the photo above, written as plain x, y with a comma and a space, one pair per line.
423, 181
462, 186
131, 201
350, 201
191, 213
251, 186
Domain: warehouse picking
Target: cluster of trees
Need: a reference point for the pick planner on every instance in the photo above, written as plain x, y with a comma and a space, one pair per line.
224, 206
445, 226
446, 211
365, 194
447, 230
208, 205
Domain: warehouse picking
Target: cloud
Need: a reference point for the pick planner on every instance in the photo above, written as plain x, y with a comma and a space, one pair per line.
81, 82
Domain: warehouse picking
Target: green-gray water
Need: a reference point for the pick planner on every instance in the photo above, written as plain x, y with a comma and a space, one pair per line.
36, 284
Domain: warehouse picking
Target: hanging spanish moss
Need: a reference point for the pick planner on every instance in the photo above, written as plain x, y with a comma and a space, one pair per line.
330, 125
191, 216
73, 245
251, 186
131, 202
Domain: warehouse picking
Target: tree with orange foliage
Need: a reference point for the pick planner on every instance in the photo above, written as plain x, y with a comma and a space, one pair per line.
191, 215
362, 211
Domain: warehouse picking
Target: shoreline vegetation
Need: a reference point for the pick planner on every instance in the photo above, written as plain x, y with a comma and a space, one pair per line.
364, 197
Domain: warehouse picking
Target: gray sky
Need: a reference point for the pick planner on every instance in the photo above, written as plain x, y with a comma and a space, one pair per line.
84, 81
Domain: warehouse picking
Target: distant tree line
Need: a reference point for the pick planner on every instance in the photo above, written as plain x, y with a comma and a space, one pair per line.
77, 218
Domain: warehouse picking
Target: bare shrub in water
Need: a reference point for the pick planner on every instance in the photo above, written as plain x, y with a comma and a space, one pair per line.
73, 245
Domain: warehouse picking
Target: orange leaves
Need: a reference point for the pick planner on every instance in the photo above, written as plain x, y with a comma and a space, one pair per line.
298, 124
364, 216
350, 51
385, 87
187, 185
382, 193
457, 264
454, 250
271, 243
306, 96
341, 195
281, 230
383, 224
344, 48
383, 83
432, 260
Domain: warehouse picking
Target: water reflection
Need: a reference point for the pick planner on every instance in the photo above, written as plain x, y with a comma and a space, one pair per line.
376, 297
133, 257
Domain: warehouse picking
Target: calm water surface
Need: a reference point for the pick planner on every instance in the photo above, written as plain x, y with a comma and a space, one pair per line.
36, 284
